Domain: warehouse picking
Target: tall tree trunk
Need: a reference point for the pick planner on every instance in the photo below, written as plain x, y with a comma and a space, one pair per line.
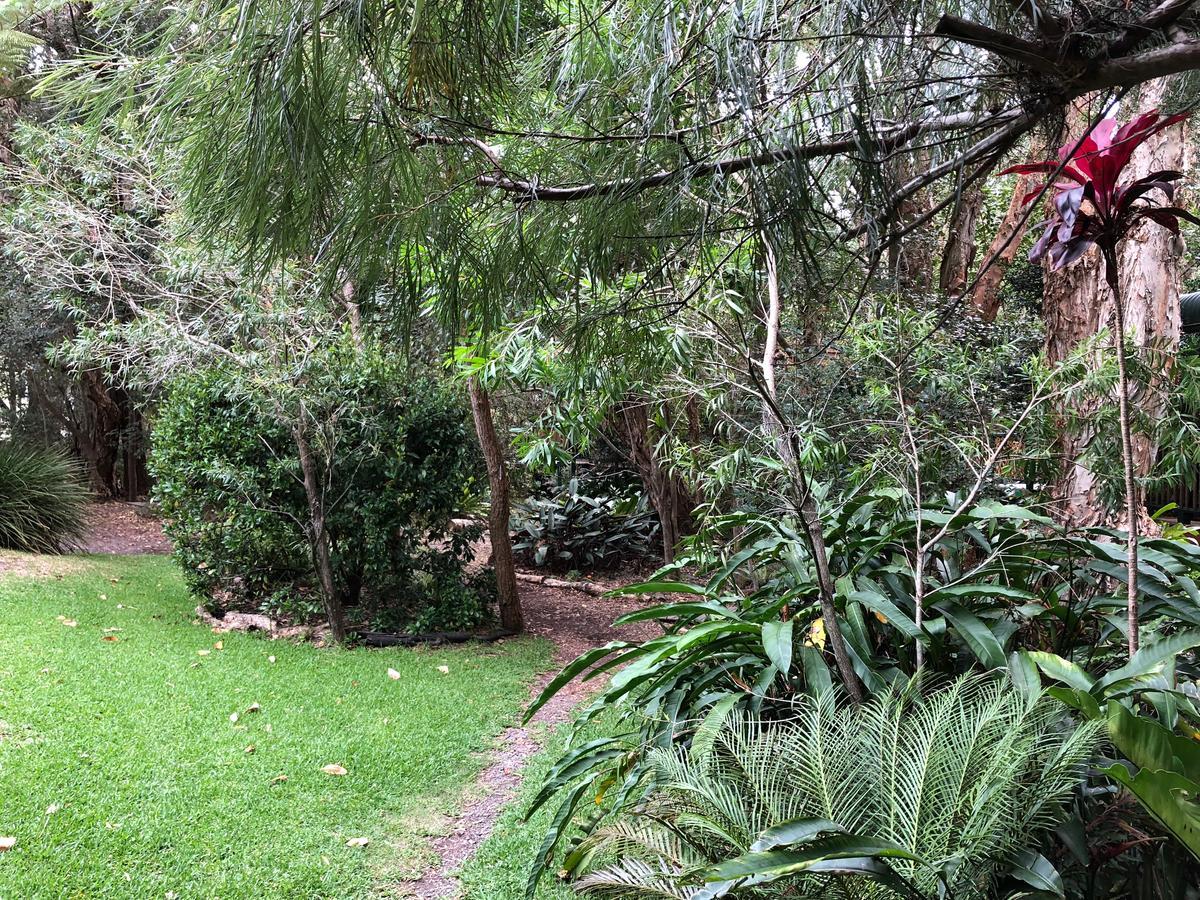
672, 501
99, 439
959, 253
318, 534
511, 617
985, 296
1078, 304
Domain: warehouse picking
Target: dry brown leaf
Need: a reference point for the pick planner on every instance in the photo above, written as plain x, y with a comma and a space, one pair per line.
111, 638
334, 769
393, 674
249, 749
358, 842
253, 708
445, 670
278, 779
219, 645
7, 843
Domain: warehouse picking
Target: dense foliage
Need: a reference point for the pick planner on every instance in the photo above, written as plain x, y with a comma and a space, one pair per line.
586, 523
950, 785
399, 464
43, 502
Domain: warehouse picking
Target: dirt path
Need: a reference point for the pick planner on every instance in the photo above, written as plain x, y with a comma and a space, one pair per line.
123, 528
575, 622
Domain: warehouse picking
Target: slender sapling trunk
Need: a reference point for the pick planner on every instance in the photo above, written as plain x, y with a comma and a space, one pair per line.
511, 617
1131, 496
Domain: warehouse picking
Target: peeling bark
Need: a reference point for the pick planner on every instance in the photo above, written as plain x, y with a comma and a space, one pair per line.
1078, 305
959, 253
985, 297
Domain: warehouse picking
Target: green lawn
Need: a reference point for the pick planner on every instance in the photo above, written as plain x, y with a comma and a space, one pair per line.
123, 775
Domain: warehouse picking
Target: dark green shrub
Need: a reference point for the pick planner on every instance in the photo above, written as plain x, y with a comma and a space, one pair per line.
398, 459
43, 501
585, 524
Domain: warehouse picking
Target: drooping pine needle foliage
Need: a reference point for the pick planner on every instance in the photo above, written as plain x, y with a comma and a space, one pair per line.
43, 502
962, 778
496, 150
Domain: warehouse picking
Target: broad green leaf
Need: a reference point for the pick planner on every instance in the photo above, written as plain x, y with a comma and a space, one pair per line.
775, 864
660, 587
1150, 657
1037, 872
777, 641
975, 634
795, 831
582, 662
1054, 666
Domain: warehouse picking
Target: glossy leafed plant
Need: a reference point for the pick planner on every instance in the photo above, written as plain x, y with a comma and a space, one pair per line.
1095, 204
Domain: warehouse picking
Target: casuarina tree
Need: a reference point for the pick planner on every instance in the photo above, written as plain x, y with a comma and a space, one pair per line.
1095, 206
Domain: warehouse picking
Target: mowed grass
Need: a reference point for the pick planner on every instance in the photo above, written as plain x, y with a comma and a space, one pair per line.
123, 773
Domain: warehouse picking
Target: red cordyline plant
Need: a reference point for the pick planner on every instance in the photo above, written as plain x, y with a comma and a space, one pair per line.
1093, 206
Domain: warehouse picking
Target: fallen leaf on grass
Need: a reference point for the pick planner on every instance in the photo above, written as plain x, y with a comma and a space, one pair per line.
112, 630
358, 842
111, 638
334, 769
7, 843
70, 623
393, 674
249, 749
219, 645
445, 670
279, 779
253, 708
203, 652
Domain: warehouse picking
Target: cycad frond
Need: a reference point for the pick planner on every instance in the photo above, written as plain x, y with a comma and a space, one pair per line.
964, 777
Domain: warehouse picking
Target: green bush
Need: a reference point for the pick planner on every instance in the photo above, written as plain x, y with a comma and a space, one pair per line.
43, 501
399, 462
592, 523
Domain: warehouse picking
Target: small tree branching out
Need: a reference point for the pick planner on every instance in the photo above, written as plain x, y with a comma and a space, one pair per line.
1093, 206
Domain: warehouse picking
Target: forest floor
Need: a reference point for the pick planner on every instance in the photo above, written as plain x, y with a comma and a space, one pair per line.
430, 848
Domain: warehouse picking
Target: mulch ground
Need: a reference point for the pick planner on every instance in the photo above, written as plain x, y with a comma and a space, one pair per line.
123, 528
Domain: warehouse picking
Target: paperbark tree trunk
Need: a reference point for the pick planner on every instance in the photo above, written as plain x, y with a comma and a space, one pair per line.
1078, 304
511, 616
985, 296
959, 253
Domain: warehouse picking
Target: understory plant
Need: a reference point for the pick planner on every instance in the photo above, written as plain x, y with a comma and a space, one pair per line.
43, 500
586, 523
1095, 205
392, 461
1000, 585
921, 792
